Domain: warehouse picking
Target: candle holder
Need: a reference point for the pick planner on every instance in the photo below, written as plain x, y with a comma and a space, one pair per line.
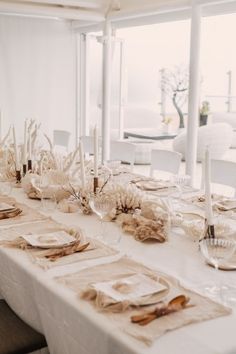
24, 169
95, 184
18, 176
29, 165
209, 231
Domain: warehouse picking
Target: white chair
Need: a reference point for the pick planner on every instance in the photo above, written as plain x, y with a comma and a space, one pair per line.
88, 144
222, 172
61, 138
165, 160
123, 151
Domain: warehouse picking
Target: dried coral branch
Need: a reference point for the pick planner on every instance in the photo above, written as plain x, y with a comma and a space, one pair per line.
4, 140
49, 142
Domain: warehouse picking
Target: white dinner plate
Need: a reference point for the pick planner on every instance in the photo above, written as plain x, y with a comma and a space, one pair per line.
134, 288
49, 240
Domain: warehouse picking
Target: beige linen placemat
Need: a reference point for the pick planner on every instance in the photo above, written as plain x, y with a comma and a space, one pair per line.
96, 249
204, 308
28, 214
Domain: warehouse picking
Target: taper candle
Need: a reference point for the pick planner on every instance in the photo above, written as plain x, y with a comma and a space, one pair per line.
208, 202
82, 171
15, 149
95, 151
25, 144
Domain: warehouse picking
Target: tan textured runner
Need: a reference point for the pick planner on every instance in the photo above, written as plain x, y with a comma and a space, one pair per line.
203, 309
96, 249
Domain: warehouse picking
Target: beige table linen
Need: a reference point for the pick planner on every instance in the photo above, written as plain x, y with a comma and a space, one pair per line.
203, 309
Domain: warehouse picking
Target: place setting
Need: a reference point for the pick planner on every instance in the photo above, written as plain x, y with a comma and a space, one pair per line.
50, 244
133, 296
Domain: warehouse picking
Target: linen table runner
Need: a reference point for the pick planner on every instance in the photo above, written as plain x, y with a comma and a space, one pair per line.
96, 249
203, 309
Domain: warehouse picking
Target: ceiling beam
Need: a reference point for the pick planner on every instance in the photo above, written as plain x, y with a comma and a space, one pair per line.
88, 4
49, 11
150, 10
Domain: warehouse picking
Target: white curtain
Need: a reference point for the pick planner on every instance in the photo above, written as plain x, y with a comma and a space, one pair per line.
37, 73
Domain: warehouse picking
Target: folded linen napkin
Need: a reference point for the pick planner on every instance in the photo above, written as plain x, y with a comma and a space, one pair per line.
106, 302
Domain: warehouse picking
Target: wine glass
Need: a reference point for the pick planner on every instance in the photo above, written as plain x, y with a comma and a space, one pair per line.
181, 181
41, 184
216, 251
101, 204
5, 185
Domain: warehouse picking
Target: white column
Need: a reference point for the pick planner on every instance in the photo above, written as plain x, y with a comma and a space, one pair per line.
194, 92
84, 80
229, 102
121, 92
0, 125
106, 92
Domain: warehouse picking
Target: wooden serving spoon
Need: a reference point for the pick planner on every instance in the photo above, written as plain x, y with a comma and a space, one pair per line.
178, 303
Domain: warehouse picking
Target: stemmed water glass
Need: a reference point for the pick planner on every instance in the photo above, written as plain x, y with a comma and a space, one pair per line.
101, 204
41, 184
216, 251
180, 182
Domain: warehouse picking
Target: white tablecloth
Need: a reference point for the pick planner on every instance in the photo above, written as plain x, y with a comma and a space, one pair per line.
72, 326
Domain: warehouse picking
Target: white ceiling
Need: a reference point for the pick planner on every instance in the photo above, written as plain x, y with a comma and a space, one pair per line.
122, 12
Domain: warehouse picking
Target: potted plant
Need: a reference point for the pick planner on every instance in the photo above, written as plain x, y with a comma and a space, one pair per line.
204, 111
166, 124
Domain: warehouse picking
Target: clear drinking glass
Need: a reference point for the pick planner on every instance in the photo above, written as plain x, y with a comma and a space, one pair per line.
101, 204
5, 185
111, 234
216, 251
48, 202
5, 188
181, 181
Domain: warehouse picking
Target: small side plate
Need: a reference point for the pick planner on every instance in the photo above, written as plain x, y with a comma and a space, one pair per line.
6, 207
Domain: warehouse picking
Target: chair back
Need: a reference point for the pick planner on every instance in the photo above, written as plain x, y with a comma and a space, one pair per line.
88, 144
222, 172
61, 138
165, 160
123, 151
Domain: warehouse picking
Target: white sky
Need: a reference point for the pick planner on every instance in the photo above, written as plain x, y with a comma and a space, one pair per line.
149, 48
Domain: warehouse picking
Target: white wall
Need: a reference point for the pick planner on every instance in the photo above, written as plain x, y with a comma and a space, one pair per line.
37, 73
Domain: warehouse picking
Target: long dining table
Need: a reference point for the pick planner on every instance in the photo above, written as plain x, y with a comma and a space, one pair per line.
71, 325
